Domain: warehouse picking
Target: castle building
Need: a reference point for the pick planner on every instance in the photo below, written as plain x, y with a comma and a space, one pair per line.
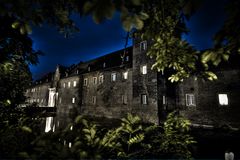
122, 82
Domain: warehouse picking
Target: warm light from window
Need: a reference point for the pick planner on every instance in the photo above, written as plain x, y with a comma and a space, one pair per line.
125, 75
73, 100
74, 83
144, 69
223, 99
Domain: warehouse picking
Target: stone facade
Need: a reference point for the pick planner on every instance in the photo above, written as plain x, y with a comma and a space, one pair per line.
123, 82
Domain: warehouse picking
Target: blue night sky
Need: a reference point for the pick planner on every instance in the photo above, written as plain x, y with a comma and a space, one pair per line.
96, 40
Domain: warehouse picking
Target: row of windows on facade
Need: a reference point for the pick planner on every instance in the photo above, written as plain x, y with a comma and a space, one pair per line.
101, 78
190, 99
69, 84
114, 76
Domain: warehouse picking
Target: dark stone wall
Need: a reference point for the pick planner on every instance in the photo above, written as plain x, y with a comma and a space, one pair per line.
144, 84
66, 94
108, 94
39, 94
207, 109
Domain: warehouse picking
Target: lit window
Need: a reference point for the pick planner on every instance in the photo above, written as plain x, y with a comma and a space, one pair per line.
113, 77
104, 64
164, 100
143, 46
144, 99
144, 69
190, 100
94, 80
64, 85
69, 84
73, 100
77, 71
74, 83
223, 99
101, 79
125, 75
38, 100
94, 99
124, 99
85, 81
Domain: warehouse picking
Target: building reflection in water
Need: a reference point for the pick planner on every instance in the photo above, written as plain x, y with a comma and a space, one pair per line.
57, 122
49, 124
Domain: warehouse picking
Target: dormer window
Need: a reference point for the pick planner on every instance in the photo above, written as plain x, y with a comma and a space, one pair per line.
143, 45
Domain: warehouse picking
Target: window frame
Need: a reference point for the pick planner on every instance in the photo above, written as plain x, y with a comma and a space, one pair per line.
101, 79
125, 75
124, 99
143, 45
192, 102
85, 81
74, 83
225, 94
94, 100
95, 80
73, 100
144, 71
144, 101
115, 75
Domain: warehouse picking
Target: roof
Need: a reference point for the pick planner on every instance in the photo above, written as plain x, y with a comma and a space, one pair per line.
118, 58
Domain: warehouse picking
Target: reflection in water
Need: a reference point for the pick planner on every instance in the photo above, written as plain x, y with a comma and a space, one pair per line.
49, 122
57, 122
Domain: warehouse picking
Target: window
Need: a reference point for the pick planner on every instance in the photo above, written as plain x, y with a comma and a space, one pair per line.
124, 99
60, 100
143, 46
64, 85
144, 99
73, 100
113, 77
144, 69
127, 58
94, 99
42, 101
85, 82
89, 68
69, 84
164, 100
94, 80
125, 75
100, 79
74, 83
190, 100
104, 64
223, 99
77, 71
